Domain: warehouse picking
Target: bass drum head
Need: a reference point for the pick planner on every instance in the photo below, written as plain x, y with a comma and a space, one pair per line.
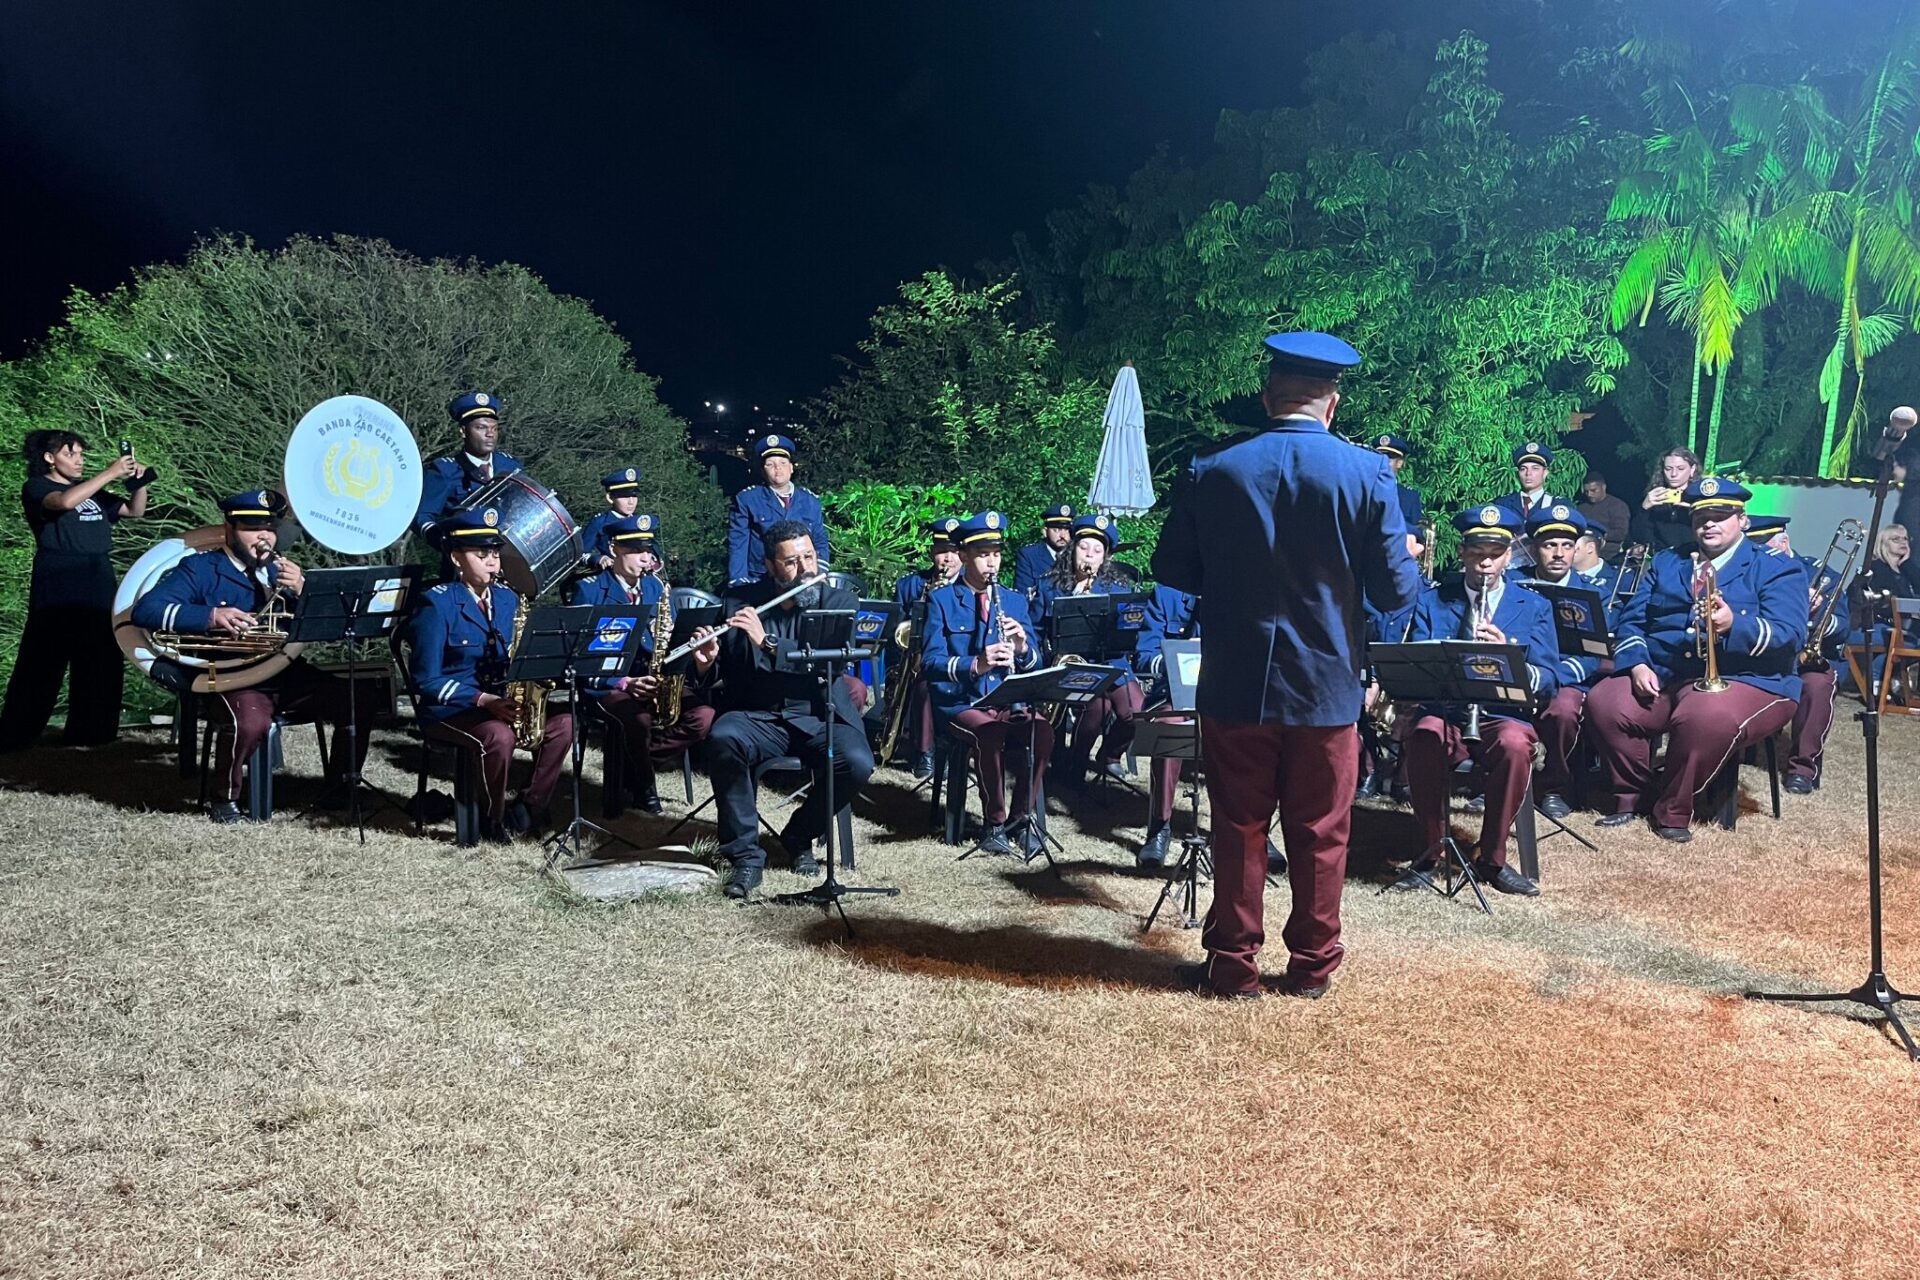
542, 541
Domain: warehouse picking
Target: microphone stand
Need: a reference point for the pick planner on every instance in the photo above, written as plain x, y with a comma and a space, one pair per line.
1876, 991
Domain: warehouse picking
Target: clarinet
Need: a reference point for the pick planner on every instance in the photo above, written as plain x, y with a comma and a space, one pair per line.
992, 678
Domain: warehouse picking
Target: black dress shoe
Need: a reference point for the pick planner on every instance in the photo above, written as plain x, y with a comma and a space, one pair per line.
1276, 860
1616, 819
1417, 876
519, 818
1475, 804
1115, 770
1679, 835
742, 880
1799, 784
995, 841
1505, 879
650, 801
1193, 977
923, 765
804, 863
1555, 806
225, 811
1154, 852
1304, 990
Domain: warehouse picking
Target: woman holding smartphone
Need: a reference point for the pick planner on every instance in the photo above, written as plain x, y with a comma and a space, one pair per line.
1663, 521
70, 603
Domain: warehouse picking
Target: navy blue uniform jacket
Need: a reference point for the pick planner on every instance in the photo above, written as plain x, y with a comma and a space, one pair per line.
187, 594
454, 653
447, 482
1280, 534
604, 588
594, 542
1041, 608
755, 510
1033, 563
1524, 616
1768, 596
956, 634
1412, 509
1169, 617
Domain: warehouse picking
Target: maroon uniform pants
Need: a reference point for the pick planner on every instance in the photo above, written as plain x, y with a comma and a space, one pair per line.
301, 692
991, 733
477, 730
1308, 774
1559, 730
633, 716
1504, 754
1703, 732
1812, 720
1110, 714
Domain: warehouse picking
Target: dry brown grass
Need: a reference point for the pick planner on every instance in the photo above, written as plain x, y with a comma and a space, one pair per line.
242, 1053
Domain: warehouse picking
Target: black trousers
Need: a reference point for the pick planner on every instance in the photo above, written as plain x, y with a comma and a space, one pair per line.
743, 740
59, 640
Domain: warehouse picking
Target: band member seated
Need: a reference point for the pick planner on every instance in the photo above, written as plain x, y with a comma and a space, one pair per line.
451, 479
943, 567
220, 593
457, 644
1813, 717
776, 500
1395, 450
623, 499
1035, 560
1590, 566
773, 706
1481, 605
1086, 568
632, 703
1759, 623
979, 632
1555, 533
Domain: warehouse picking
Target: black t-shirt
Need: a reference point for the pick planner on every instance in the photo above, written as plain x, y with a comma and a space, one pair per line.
87, 530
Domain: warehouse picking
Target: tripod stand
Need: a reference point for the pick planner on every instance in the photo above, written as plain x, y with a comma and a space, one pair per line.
1182, 741
1876, 991
835, 629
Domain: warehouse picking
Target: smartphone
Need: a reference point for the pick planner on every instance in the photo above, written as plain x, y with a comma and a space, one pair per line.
126, 448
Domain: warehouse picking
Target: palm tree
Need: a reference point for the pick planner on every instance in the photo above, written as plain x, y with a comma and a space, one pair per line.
1846, 229
1697, 199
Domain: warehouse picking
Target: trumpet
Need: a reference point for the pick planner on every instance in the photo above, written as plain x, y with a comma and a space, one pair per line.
1849, 539
1429, 535
1705, 639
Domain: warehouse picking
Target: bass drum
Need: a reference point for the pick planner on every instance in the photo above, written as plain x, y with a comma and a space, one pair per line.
543, 543
208, 675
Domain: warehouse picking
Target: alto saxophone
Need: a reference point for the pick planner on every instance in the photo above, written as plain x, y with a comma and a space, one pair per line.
529, 697
668, 689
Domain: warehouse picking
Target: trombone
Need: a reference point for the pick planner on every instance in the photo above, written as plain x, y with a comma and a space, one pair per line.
1634, 562
1848, 540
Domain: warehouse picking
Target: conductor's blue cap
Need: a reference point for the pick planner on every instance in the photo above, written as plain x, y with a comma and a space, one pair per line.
1311, 355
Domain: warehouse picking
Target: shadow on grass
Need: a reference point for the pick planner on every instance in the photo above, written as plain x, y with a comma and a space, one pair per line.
1012, 955
139, 772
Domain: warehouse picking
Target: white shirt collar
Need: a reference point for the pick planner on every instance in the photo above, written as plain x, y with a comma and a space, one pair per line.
787, 492
1720, 561
1494, 596
479, 463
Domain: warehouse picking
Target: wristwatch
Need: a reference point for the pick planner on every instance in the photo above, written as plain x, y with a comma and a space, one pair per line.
772, 646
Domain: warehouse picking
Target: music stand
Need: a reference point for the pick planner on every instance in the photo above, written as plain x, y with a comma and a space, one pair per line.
1458, 672
561, 643
1100, 627
823, 640
1180, 740
348, 605
873, 627
1579, 617
1074, 684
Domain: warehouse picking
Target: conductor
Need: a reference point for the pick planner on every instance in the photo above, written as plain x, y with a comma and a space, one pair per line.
1280, 533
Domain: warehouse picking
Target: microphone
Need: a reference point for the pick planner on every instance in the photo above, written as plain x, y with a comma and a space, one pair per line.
1899, 422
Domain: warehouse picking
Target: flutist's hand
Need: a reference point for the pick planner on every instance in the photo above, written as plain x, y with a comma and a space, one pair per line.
1722, 617
235, 622
290, 578
709, 653
1646, 685
748, 620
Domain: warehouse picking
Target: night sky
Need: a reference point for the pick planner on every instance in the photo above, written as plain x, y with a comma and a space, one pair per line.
736, 187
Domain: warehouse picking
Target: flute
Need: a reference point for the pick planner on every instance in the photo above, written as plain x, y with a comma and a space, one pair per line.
698, 641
